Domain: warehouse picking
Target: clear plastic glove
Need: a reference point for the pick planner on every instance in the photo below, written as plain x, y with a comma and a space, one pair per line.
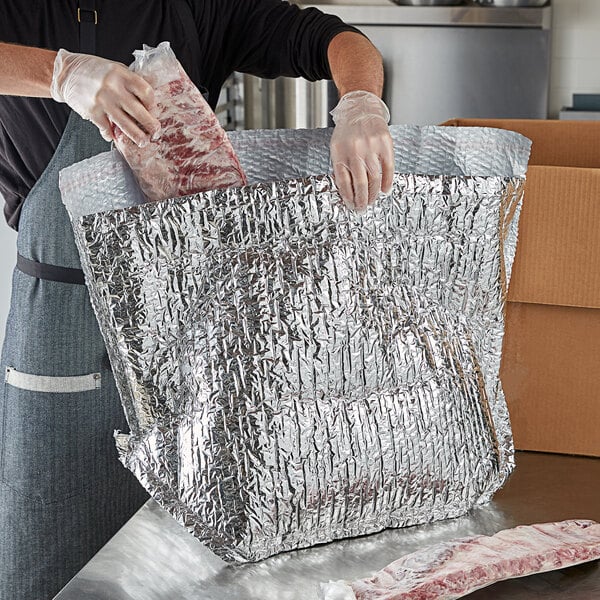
105, 92
362, 151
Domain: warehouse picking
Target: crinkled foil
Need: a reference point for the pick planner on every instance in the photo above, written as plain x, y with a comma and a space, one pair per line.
294, 373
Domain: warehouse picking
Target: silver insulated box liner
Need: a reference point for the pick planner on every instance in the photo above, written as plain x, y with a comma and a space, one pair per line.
293, 372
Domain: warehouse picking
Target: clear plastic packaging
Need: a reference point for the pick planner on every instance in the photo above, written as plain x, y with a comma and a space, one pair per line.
193, 153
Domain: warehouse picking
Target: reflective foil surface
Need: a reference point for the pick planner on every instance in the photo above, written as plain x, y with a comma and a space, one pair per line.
293, 372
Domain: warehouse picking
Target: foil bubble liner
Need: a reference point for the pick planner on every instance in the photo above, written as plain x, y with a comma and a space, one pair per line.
293, 372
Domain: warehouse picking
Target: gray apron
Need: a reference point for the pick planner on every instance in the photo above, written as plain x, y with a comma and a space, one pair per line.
63, 492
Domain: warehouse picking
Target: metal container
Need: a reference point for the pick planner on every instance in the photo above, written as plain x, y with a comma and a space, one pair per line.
521, 3
287, 103
428, 2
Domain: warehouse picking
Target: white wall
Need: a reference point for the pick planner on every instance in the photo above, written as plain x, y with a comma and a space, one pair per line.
8, 253
575, 51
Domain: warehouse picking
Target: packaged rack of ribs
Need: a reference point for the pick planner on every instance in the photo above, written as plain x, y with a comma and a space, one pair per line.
454, 569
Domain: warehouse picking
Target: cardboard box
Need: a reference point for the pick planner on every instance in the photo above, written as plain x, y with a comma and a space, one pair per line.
551, 356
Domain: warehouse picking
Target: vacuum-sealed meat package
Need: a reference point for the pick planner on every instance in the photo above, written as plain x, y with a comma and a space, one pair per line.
193, 153
452, 570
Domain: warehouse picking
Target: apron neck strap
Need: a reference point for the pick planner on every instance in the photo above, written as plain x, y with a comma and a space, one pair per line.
87, 16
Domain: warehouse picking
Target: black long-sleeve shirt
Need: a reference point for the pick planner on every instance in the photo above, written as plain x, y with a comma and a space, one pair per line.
211, 38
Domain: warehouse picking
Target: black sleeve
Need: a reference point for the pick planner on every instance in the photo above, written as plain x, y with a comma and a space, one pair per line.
269, 38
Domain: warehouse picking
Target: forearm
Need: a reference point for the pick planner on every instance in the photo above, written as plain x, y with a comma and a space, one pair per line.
25, 71
355, 64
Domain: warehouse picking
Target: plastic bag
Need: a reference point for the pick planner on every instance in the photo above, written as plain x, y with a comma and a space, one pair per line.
193, 153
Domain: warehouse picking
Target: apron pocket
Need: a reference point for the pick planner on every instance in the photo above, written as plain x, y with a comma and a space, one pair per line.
54, 385
50, 438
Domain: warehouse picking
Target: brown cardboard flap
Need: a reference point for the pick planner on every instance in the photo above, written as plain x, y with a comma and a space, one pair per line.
559, 143
558, 254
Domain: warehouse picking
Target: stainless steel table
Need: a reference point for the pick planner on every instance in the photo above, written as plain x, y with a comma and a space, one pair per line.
154, 558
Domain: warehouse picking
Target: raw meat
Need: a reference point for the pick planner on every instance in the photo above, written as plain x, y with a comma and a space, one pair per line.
453, 569
193, 153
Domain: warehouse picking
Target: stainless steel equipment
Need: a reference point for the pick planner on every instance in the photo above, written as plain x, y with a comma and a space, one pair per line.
512, 2
154, 558
287, 103
441, 62
428, 2
230, 107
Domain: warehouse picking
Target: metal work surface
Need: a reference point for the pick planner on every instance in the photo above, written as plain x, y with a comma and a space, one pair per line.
153, 558
370, 13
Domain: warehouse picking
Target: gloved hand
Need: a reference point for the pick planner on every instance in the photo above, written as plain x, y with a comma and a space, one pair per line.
362, 151
105, 92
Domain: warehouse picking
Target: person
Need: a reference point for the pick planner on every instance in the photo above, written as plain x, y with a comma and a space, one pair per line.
63, 83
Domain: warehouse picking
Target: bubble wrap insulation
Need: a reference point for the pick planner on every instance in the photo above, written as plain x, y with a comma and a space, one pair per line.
294, 373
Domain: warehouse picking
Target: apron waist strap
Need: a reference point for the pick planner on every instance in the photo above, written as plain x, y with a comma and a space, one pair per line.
49, 272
